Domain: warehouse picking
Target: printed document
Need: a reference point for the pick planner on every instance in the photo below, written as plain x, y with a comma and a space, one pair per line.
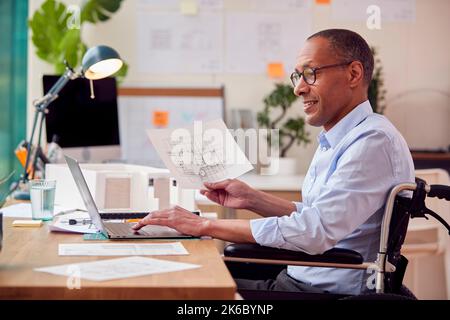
113, 269
121, 249
204, 152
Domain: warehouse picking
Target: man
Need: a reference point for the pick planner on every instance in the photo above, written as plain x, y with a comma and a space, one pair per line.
360, 157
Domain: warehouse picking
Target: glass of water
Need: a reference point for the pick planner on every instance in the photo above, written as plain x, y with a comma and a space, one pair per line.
42, 194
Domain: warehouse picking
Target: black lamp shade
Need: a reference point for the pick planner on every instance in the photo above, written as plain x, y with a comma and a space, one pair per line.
100, 62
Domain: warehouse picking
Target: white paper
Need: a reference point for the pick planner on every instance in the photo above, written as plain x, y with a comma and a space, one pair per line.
277, 5
121, 249
175, 4
61, 223
117, 268
204, 152
174, 43
135, 116
256, 39
390, 10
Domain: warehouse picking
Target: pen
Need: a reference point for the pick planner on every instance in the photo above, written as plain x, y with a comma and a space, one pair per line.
75, 221
132, 220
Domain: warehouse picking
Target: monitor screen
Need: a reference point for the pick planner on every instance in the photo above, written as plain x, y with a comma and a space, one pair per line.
79, 121
87, 129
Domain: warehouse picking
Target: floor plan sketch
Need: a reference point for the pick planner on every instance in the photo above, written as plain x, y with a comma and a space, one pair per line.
194, 158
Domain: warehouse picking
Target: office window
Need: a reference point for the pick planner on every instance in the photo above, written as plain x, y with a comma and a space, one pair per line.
13, 84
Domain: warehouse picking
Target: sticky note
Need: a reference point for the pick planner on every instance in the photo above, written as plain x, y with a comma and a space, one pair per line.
27, 223
161, 118
323, 1
275, 70
188, 7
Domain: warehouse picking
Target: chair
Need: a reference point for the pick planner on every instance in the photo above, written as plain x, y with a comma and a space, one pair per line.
427, 246
253, 261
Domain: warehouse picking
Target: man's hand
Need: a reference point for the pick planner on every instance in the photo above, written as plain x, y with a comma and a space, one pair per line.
177, 218
229, 193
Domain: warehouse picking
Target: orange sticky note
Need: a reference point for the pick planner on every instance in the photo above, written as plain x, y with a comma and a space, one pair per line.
161, 118
323, 1
275, 70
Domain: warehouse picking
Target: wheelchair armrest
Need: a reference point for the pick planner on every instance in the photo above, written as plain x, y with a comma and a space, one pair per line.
255, 251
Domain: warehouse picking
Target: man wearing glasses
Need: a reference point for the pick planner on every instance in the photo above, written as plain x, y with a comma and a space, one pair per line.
360, 157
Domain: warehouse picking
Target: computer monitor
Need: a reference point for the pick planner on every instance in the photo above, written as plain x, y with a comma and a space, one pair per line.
87, 129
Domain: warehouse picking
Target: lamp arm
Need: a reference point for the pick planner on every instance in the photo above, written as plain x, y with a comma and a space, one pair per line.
52, 94
40, 109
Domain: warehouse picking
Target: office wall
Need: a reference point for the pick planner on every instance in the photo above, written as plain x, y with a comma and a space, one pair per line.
415, 57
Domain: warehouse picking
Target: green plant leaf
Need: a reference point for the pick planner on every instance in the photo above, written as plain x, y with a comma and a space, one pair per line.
121, 74
69, 47
293, 129
99, 10
48, 26
53, 40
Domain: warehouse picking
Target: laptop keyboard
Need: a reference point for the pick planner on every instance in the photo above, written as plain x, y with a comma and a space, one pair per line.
121, 216
121, 229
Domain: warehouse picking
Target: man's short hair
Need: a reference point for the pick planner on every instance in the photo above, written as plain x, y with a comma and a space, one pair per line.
349, 46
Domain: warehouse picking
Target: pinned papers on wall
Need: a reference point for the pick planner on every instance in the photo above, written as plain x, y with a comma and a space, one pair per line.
275, 70
160, 118
170, 43
188, 7
262, 38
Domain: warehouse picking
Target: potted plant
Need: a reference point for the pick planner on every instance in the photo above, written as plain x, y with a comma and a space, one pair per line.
376, 92
291, 130
56, 31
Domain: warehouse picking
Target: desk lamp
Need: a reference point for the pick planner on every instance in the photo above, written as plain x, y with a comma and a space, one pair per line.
98, 62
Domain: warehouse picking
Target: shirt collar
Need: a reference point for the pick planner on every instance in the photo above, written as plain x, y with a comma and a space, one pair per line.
329, 139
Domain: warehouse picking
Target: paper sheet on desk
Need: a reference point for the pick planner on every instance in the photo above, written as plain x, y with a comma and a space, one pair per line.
60, 223
122, 249
117, 268
205, 152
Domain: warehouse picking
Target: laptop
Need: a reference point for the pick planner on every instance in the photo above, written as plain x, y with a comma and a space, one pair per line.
117, 230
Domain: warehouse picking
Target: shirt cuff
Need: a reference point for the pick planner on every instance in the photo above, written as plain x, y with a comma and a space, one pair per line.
266, 232
298, 205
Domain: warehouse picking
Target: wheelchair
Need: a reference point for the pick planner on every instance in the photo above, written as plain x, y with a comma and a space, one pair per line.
252, 261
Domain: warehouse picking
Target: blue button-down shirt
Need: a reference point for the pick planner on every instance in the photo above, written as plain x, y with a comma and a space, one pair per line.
344, 192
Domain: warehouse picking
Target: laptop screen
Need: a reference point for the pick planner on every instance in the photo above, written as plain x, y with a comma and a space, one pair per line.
85, 193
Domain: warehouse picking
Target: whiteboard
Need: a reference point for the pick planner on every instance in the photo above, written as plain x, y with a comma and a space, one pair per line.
137, 108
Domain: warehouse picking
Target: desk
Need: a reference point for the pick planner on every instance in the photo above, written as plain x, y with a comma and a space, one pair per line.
27, 248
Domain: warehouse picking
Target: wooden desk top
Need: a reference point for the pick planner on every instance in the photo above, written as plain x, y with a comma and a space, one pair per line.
27, 248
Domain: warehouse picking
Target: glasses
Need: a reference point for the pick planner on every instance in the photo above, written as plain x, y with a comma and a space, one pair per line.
309, 74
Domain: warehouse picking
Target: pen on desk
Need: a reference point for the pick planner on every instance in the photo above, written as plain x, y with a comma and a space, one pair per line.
132, 220
75, 221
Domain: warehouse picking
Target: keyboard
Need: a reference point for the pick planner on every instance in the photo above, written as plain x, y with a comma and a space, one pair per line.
128, 215
122, 215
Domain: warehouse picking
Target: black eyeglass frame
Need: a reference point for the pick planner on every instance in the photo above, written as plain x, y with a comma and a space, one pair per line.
314, 70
